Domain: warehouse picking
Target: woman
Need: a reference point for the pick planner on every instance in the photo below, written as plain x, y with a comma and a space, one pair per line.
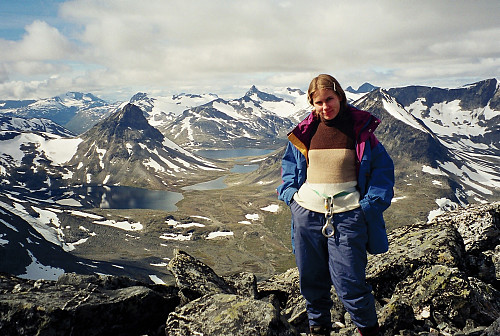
337, 179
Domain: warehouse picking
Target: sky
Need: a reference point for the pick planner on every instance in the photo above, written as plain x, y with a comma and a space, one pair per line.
116, 48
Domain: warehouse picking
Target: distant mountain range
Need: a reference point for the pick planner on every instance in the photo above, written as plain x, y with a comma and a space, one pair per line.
75, 111
445, 144
454, 132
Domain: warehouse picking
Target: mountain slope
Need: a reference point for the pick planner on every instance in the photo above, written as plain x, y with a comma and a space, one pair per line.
32, 125
125, 150
74, 110
245, 122
32, 160
445, 144
466, 122
33, 250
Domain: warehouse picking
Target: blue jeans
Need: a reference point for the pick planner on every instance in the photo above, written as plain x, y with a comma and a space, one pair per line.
340, 260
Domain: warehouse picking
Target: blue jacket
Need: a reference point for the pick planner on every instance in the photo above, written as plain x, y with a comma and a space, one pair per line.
374, 167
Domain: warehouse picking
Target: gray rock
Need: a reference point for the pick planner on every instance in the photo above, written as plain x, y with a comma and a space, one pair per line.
244, 284
195, 279
479, 225
411, 247
82, 305
224, 314
396, 316
445, 295
285, 287
493, 329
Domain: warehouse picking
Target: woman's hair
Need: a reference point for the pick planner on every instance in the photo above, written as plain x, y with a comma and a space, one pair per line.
324, 81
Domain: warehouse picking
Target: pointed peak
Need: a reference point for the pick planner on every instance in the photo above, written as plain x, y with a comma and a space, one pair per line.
130, 114
252, 90
261, 95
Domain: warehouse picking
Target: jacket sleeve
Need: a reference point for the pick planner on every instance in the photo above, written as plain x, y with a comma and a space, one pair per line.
379, 183
289, 175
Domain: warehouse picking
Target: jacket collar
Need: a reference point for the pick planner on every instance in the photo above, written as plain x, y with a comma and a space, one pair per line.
364, 124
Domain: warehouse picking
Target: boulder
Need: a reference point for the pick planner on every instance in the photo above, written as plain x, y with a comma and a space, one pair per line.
83, 305
411, 247
195, 279
478, 225
225, 314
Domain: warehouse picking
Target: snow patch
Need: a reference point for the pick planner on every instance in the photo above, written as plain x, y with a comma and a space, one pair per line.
123, 225
271, 208
217, 234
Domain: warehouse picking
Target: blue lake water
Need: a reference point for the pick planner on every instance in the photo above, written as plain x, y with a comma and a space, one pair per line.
119, 197
244, 168
232, 153
209, 185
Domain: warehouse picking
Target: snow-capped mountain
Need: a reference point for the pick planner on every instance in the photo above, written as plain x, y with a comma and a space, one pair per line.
33, 125
74, 110
32, 160
256, 119
124, 149
453, 133
163, 109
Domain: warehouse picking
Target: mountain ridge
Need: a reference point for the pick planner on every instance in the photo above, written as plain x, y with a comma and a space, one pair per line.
124, 149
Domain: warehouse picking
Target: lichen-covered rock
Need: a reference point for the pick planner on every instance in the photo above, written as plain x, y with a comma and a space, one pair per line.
224, 314
195, 279
396, 316
411, 247
479, 225
285, 287
83, 305
244, 283
495, 258
447, 296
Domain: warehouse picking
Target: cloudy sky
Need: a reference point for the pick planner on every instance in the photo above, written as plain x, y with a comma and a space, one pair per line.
115, 48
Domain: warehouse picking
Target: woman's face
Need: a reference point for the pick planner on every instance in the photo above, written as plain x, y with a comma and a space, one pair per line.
326, 103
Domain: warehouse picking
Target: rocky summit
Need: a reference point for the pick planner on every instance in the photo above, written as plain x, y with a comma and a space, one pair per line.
438, 278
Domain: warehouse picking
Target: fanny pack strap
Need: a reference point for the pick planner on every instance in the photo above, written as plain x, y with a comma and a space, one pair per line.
329, 212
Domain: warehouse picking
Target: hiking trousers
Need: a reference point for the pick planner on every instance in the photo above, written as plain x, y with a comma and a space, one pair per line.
339, 260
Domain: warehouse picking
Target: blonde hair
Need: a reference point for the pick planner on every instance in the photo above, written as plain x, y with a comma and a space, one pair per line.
325, 81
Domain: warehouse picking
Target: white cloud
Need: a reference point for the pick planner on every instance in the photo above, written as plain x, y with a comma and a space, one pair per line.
41, 42
224, 45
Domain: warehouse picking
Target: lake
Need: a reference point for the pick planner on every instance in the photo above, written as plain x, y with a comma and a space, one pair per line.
209, 185
120, 197
232, 153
